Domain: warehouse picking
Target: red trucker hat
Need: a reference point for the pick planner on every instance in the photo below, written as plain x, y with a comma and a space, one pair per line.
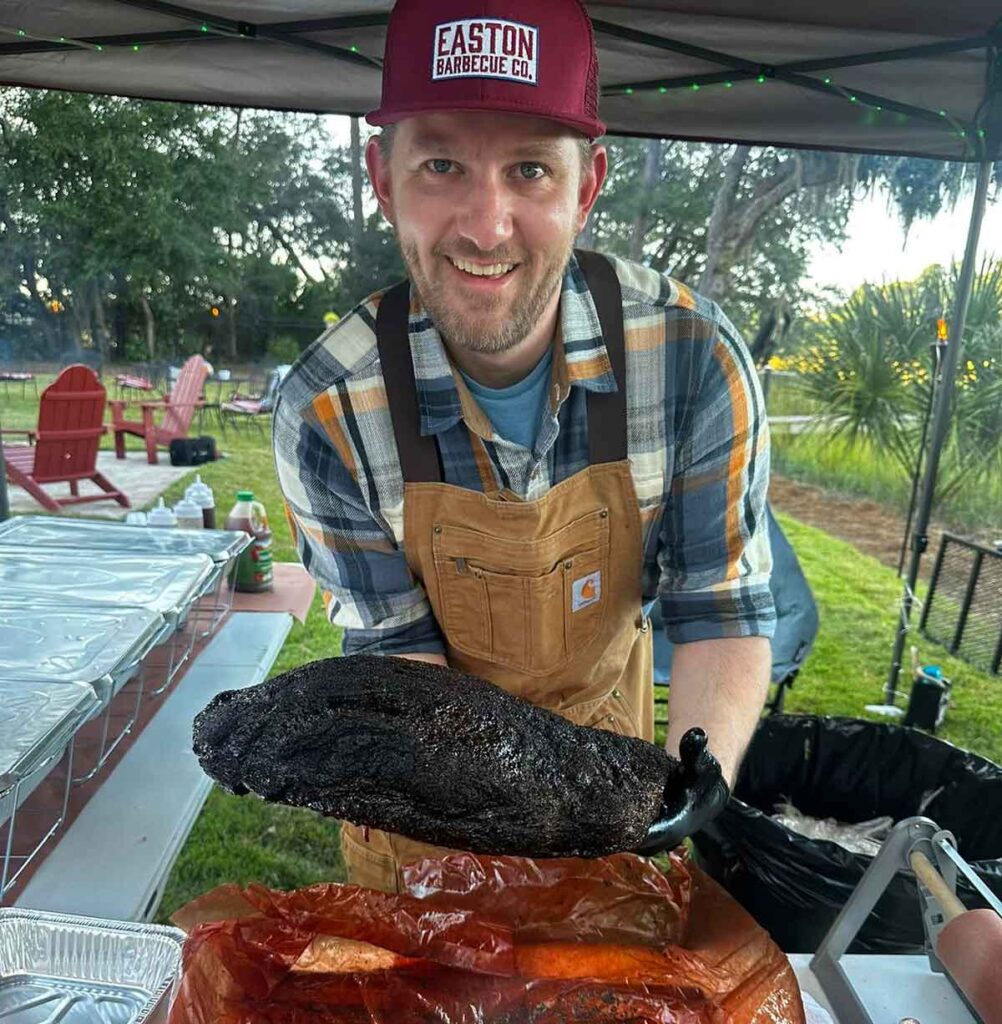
512, 56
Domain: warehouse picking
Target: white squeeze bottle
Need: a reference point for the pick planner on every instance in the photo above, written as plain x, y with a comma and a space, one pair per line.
161, 516
189, 515
201, 494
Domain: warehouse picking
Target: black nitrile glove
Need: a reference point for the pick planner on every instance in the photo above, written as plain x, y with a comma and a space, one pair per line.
695, 795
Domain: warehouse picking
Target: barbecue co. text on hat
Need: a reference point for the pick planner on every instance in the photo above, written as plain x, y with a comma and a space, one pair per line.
486, 48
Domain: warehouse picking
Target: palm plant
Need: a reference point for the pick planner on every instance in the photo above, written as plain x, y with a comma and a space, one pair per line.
869, 366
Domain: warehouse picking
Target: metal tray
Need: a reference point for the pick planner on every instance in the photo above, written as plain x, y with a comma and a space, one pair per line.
78, 970
83, 578
27, 532
102, 647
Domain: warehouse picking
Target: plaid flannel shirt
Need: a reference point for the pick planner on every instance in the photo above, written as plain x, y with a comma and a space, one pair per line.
698, 445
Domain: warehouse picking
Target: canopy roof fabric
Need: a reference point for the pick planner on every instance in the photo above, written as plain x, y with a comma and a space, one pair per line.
914, 77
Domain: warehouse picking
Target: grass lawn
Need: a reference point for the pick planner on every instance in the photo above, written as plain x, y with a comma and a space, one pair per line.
242, 839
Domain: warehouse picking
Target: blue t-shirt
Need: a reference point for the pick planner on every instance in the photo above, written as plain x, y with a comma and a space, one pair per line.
515, 411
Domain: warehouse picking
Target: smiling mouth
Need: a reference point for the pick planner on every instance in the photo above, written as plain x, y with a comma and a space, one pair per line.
488, 271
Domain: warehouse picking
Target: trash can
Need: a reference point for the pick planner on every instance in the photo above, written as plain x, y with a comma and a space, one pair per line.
852, 771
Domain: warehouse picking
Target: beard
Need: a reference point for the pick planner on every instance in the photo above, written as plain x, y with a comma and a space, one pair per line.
491, 324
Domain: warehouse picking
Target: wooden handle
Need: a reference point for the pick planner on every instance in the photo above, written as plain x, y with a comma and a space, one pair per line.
933, 881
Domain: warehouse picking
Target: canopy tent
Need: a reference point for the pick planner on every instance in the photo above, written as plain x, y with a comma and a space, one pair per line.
896, 77
910, 77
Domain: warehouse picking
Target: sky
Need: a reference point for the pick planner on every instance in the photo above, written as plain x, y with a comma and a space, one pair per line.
876, 248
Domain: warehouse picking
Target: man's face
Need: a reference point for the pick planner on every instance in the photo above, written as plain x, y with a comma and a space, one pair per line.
486, 208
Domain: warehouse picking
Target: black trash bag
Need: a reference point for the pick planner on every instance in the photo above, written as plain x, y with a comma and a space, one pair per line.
852, 771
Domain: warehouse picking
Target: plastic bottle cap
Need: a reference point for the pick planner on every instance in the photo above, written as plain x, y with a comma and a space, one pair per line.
200, 493
245, 495
161, 516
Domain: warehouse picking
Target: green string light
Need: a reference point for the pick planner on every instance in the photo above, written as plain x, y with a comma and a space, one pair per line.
99, 48
981, 133
762, 78
354, 49
203, 27
136, 47
21, 32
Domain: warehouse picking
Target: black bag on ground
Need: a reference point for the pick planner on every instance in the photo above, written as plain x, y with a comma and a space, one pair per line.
192, 451
852, 771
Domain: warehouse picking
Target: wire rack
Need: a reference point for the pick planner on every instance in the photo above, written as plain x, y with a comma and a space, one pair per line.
964, 608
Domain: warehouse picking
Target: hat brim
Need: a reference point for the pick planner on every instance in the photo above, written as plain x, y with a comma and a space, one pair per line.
391, 115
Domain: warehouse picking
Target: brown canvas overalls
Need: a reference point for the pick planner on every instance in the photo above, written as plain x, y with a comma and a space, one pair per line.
540, 597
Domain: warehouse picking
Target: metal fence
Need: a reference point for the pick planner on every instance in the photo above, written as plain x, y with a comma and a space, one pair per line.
964, 608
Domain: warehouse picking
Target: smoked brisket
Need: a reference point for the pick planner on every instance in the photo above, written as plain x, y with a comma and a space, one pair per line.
435, 755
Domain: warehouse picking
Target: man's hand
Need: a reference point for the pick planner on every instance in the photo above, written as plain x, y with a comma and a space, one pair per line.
694, 796
718, 688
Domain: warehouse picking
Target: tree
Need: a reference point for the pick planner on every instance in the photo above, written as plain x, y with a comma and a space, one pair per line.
103, 194
137, 218
731, 221
737, 222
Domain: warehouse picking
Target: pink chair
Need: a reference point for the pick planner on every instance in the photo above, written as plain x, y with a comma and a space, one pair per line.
178, 410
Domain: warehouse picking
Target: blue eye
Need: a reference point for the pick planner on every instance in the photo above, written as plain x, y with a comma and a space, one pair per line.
531, 165
440, 166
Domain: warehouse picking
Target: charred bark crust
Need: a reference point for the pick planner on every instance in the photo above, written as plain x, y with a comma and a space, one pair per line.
435, 755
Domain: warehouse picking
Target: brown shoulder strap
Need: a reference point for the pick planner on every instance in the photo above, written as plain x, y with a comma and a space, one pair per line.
419, 460
607, 434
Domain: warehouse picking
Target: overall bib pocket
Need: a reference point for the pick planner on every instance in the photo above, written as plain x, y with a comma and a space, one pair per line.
528, 605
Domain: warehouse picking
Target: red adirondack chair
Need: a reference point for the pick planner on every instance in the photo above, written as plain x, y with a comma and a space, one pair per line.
178, 409
63, 447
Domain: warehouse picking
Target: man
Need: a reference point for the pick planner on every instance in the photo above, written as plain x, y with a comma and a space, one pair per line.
498, 464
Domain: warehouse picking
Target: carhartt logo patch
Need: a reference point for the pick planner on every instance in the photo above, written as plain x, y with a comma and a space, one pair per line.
586, 591
486, 48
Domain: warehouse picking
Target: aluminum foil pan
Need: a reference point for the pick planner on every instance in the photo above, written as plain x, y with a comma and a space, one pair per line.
78, 970
25, 532
37, 723
81, 577
54, 644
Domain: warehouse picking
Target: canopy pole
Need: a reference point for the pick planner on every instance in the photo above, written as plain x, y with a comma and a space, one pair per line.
941, 423
4, 503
